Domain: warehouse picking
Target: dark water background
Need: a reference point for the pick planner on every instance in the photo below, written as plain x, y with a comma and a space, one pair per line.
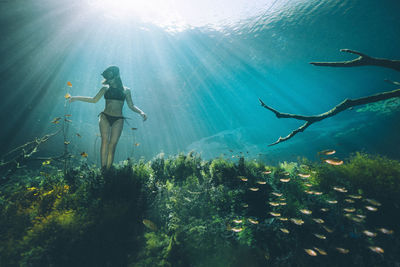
200, 86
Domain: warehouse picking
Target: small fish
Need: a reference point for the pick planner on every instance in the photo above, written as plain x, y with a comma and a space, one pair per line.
282, 203
31, 188
310, 252
67, 95
370, 208
261, 182
332, 201
320, 251
67, 143
361, 216
276, 194
305, 211
349, 209
68, 115
84, 154
284, 230
308, 185
149, 224
324, 209
317, 220
369, 233
286, 173
275, 214
304, 175
67, 120
56, 120
348, 200
266, 172
237, 221
283, 219
320, 236
244, 179
343, 250
353, 218
327, 152
245, 205
329, 230
253, 221
373, 202
285, 180
340, 189
376, 249
237, 230
386, 231
137, 144
335, 162
78, 135
254, 189
355, 196
69, 84
297, 221
309, 192
134, 129
317, 193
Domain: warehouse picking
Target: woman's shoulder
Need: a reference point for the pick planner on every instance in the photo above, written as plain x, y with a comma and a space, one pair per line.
127, 90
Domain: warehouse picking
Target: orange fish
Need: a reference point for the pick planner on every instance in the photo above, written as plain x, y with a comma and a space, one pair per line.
376, 249
335, 162
310, 252
327, 152
69, 84
320, 251
137, 144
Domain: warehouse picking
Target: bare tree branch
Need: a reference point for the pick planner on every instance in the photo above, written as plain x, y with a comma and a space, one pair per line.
362, 60
347, 103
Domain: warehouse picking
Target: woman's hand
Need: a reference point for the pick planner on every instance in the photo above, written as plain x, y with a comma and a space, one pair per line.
144, 116
71, 99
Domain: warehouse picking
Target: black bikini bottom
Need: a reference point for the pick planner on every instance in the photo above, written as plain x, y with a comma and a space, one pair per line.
112, 119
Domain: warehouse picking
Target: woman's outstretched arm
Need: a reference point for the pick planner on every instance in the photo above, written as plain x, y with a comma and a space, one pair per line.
89, 99
132, 106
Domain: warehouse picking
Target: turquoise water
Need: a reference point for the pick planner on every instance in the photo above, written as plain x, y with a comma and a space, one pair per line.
200, 82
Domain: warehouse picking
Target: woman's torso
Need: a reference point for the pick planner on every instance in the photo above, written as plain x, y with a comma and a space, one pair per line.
115, 99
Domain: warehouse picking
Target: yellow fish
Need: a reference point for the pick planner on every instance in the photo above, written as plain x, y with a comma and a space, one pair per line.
47, 162
305, 211
84, 154
310, 252
320, 251
284, 230
275, 214
69, 84
297, 221
67, 95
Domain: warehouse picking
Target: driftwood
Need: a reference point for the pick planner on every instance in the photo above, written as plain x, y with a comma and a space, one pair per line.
362, 60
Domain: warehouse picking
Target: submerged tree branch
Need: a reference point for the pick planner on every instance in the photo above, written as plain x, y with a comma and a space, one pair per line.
347, 103
362, 60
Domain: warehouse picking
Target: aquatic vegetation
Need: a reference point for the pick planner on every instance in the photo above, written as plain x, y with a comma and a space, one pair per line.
181, 210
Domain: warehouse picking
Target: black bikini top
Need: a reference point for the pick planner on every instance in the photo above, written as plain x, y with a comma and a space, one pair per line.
115, 93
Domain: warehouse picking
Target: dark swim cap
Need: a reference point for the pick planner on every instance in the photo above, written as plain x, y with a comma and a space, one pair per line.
111, 73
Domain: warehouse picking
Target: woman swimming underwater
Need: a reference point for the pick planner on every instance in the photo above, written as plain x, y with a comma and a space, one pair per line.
111, 120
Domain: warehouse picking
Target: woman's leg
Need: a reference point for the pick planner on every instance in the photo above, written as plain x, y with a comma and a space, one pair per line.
116, 131
105, 135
